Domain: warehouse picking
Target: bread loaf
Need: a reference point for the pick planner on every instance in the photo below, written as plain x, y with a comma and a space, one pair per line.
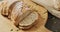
19, 11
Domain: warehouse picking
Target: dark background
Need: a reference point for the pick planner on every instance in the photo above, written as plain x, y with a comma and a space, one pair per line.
53, 23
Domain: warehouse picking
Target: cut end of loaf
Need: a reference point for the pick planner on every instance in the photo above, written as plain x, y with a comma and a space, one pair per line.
29, 20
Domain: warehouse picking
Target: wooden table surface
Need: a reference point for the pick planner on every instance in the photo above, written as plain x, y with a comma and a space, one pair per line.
6, 26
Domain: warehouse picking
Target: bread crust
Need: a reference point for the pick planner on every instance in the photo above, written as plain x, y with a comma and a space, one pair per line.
6, 5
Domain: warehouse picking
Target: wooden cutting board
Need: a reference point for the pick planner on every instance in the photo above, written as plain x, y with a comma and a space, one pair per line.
40, 27
6, 25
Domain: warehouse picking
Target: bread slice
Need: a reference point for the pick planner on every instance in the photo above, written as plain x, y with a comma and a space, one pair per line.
28, 21
27, 27
6, 5
3, 11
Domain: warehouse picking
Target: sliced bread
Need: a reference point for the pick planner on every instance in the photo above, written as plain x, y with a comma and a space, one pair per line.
6, 5
28, 21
